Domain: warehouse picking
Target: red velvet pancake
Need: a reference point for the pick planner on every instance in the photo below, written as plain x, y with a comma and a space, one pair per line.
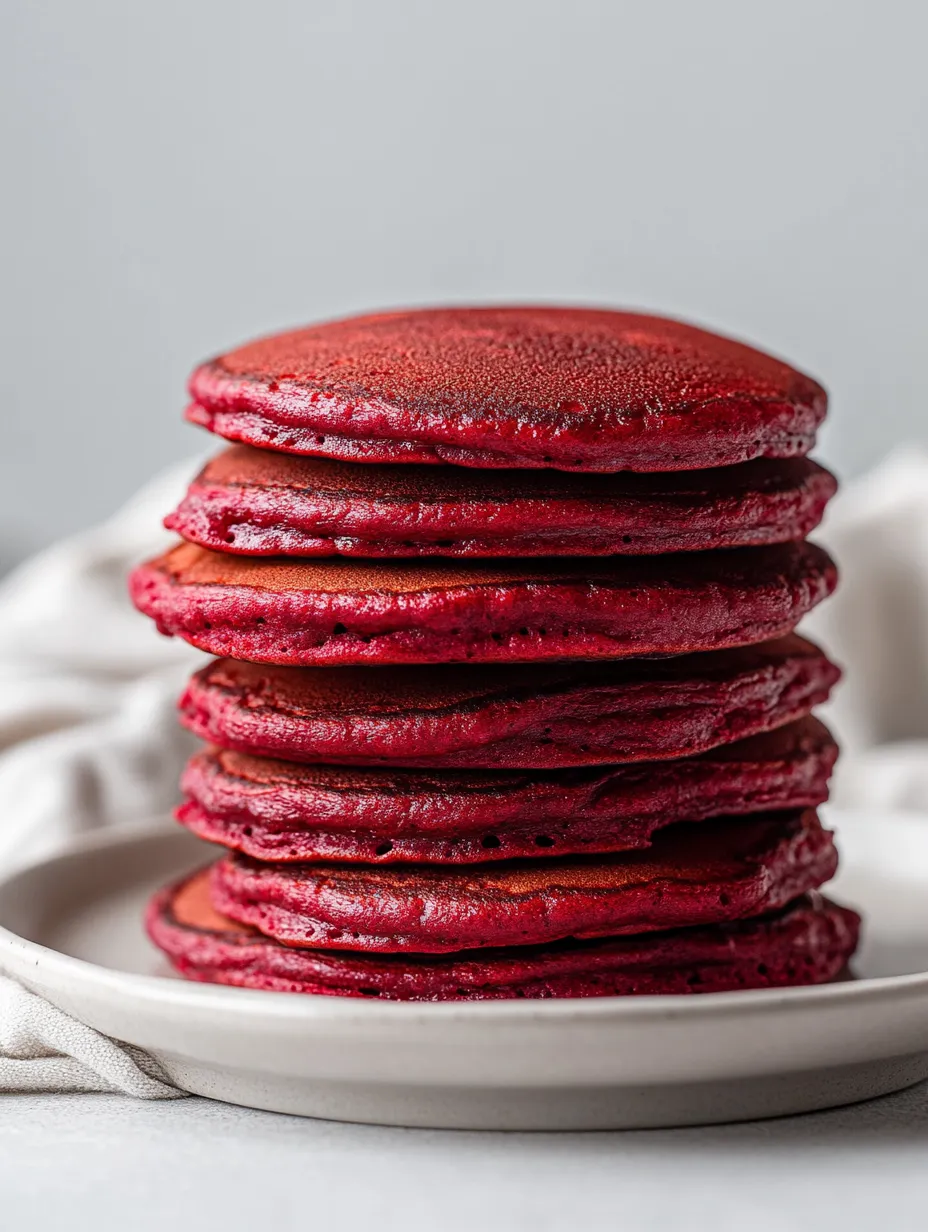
689, 876
540, 716
275, 810
571, 388
810, 942
255, 502
350, 612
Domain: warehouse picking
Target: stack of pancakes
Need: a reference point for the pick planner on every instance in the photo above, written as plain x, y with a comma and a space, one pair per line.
508, 700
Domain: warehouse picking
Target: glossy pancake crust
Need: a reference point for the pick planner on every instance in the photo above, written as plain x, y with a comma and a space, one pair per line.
690, 875
810, 942
541, 716
523, 386
255, 502
336, 612
279, 811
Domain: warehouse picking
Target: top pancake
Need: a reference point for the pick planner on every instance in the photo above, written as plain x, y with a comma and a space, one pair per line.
568, 388
256, 502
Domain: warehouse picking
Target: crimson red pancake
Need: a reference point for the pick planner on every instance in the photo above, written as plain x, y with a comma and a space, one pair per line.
496, 717
255, 502
690, 876
516, 386
279, 811
810, 942
341, 612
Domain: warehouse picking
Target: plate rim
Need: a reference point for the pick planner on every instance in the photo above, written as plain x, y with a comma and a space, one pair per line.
243, 1003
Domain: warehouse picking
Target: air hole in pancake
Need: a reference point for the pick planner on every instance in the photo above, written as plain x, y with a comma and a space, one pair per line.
338, 628
383, 849
489, 841
544, 840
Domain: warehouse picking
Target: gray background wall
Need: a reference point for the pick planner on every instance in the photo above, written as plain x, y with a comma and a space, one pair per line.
180, 175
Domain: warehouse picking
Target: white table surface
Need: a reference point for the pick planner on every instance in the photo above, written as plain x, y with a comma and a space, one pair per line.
105, 1162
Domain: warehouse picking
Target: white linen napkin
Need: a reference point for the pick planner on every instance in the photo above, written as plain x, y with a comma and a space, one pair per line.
88, 736
876, 627
44, 1049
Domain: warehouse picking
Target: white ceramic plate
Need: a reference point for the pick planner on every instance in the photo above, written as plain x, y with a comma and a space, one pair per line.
72, 932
